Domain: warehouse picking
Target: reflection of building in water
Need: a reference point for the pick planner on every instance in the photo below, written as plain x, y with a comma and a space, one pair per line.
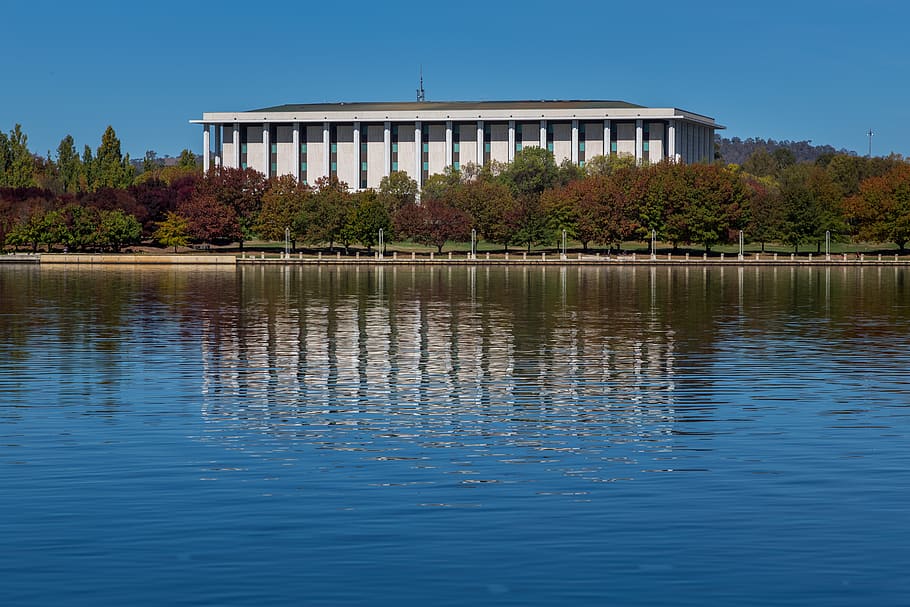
439, 344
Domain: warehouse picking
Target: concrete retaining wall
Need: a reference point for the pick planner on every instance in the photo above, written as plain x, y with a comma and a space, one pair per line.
139, 259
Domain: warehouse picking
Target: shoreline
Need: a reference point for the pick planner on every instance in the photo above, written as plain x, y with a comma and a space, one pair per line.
451, 259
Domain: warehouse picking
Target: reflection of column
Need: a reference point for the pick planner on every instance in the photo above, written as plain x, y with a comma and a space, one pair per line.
206, 145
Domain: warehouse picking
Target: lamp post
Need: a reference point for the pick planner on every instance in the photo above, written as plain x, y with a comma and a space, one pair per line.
563, 244
473, 243
287, 242
653, 244
740, 244
827, 245
381, 242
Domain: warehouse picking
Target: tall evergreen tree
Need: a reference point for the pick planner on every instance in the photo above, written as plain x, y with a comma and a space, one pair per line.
69, 164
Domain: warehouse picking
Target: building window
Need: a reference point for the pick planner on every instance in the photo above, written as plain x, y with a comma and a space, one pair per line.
334, 149
645, 141
457, 165
363, 166
394, 148
517, 146
394, 166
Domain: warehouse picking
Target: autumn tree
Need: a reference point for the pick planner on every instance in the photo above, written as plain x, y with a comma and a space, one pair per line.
881, 210
432, 223
240, 190
210, 221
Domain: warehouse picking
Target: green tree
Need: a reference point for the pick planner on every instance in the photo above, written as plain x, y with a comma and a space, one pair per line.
812, 205
396, 190
532, 171
328, 211
761, 164
607, 165
369, 215
187, 160
17, 165
70, 165
111, 168
116, 229
173, 231
283, 206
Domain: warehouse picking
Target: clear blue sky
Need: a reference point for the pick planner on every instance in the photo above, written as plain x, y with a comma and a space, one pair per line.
827, 71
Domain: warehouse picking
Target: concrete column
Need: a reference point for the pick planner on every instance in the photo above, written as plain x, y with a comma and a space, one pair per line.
218, 146
357, 158
449, 152
671, 140
574, 142
639, 130
236, 145
206, 148
480, 143
295, 140
326, 148
511, 140
266, 151
543, 134
387, 145
607, 136
418, 144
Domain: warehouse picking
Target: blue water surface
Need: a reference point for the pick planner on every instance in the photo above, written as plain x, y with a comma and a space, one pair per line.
453, 436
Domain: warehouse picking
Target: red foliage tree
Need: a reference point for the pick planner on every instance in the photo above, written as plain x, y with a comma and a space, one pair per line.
432, 223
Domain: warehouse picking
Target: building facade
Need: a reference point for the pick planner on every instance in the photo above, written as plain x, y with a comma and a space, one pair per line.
360, 143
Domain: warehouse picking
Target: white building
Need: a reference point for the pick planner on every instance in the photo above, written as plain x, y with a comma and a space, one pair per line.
362, 142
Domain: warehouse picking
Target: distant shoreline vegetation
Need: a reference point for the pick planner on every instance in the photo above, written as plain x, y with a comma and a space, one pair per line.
96, 202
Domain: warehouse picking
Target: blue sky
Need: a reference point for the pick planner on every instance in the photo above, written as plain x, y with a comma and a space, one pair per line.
823, 71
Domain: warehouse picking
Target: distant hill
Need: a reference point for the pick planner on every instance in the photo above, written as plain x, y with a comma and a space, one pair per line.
736, 150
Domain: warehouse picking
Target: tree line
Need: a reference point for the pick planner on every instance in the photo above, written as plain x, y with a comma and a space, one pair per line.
95, 202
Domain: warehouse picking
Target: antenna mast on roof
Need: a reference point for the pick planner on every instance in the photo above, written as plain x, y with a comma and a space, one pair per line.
421, 95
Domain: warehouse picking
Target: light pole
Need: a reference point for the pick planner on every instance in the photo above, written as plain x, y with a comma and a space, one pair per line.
473, 243
653, 244
740, 244
380, 243
287, 242
563, 244
827, 244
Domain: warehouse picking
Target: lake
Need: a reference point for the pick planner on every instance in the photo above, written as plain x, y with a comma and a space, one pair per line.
455, 436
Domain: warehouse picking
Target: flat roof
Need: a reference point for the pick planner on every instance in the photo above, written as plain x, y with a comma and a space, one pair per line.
392, 106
